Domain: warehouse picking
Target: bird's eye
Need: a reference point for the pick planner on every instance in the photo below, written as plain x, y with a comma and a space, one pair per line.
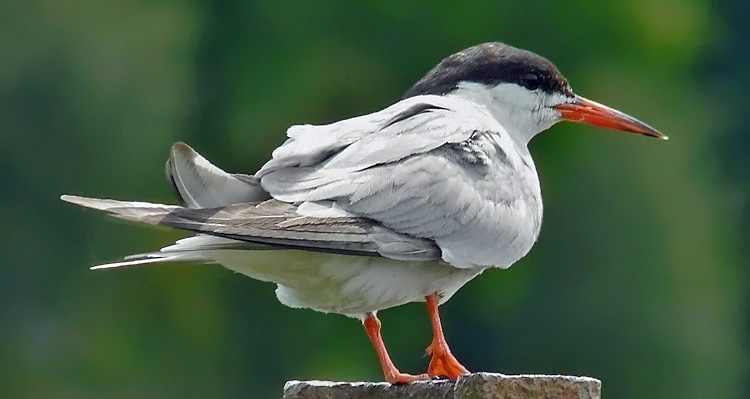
530, 81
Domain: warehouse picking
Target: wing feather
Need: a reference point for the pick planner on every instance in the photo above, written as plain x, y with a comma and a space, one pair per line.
273, 223
434, 168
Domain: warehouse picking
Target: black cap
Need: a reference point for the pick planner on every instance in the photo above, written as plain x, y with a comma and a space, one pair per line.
491, 64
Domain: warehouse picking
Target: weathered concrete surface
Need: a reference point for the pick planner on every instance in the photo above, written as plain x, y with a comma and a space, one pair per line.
496, 386
441, 389
472, 386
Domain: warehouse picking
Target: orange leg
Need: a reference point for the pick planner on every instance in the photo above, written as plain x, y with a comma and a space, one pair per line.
442, 363
392, 375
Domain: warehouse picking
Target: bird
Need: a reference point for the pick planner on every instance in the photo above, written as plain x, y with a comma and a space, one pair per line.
405, 204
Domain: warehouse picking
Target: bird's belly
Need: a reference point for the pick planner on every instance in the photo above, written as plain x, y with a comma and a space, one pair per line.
345, 284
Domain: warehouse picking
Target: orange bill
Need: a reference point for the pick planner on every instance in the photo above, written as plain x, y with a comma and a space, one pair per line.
590, 112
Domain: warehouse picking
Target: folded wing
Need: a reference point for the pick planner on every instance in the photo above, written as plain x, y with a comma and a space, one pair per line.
428, 167
272, 223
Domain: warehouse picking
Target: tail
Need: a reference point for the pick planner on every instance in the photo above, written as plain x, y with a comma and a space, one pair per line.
188, 250
197, 184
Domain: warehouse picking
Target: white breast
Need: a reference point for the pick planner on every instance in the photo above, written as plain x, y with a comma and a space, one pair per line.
506, 221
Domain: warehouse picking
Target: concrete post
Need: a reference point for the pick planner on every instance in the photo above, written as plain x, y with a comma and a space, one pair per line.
472, 386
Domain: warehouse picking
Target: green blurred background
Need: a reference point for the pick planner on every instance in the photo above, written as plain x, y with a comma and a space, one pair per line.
639, 277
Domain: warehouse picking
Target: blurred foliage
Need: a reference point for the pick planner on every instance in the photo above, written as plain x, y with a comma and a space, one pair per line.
639, 277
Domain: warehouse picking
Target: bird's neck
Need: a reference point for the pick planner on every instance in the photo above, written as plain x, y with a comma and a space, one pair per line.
508, 105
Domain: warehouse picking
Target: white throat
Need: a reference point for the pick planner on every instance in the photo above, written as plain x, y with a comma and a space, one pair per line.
522, 113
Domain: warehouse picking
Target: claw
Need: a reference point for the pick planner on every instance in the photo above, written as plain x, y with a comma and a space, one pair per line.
399, 378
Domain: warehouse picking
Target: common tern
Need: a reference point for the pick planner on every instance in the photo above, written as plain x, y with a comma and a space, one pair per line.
402, 205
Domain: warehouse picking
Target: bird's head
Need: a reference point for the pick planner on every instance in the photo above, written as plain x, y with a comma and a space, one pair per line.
523, 91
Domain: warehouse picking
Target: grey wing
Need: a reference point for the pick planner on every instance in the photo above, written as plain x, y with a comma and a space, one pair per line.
412, 126
440, 174
276, 224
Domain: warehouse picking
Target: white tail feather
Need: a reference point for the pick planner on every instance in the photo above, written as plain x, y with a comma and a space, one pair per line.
187, 250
